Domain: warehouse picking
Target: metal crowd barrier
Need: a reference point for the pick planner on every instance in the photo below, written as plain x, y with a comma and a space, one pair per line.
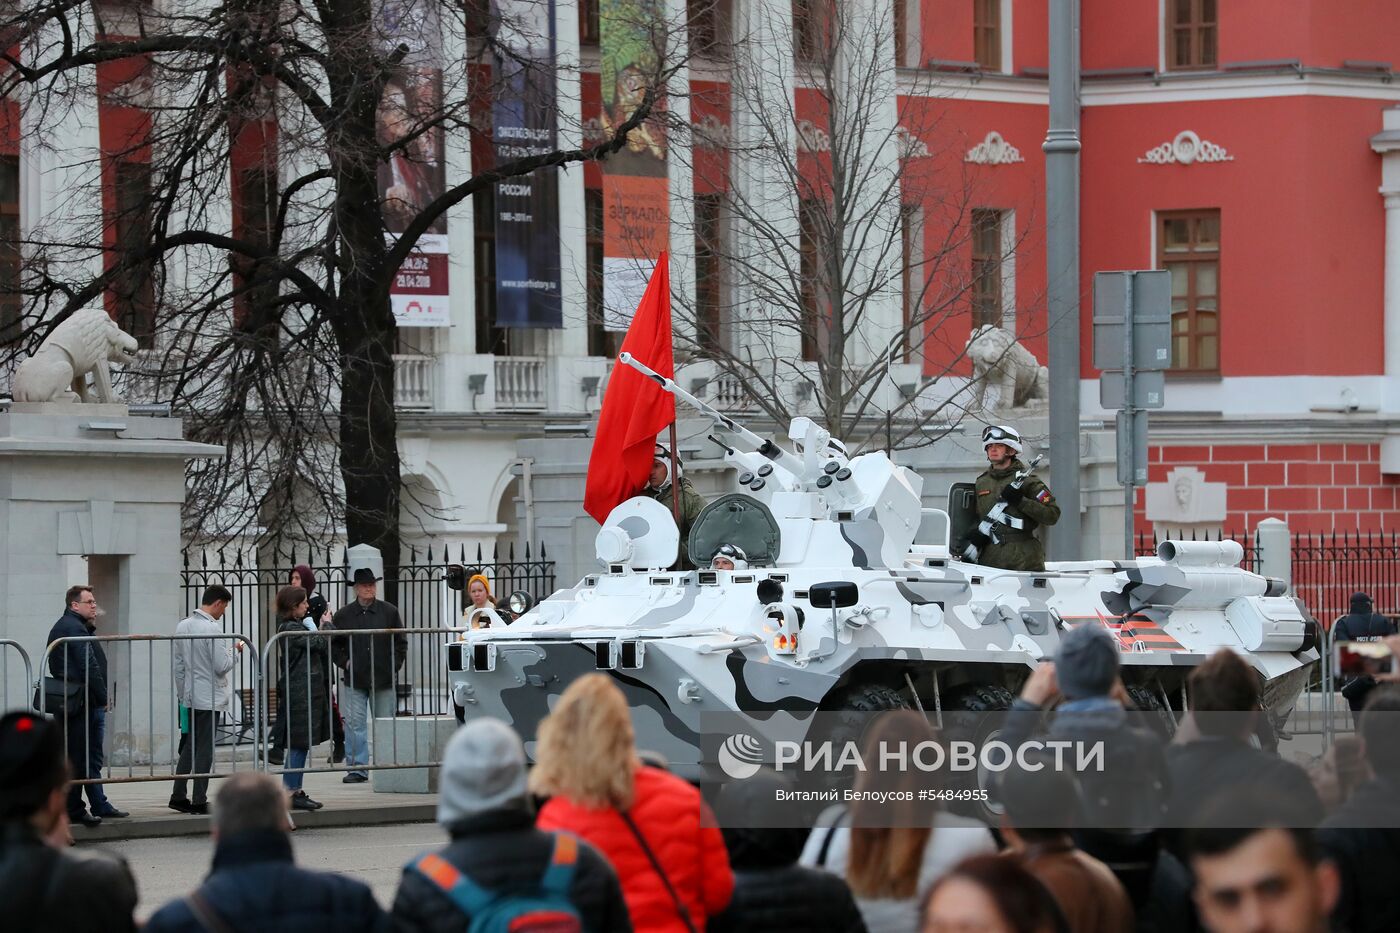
296, 663
23, 697
137, 738
1320, 710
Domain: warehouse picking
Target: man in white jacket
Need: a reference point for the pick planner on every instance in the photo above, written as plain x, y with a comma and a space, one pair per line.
201, 667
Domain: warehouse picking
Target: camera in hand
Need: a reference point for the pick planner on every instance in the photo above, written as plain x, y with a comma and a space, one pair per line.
1355, 658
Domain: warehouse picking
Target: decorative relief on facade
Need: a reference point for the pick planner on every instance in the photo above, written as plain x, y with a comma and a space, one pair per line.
710, 133
994, 150
593, 132
812, 138
1185, 499
1185, 149
910, 146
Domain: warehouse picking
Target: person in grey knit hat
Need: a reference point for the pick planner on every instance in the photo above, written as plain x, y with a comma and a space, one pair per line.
485, 807
1087, 663
1131, 788
482, 769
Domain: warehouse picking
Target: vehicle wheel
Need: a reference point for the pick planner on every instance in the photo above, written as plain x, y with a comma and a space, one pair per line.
849, 712
980, 699
845, 716
1156, 714
872, 698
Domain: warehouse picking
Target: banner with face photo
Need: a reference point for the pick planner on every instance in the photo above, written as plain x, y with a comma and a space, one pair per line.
414, 173
527, 206
636, 212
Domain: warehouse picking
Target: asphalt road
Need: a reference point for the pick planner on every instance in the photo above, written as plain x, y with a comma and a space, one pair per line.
166, 869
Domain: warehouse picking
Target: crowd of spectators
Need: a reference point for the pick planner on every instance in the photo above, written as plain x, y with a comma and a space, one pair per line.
1196, 829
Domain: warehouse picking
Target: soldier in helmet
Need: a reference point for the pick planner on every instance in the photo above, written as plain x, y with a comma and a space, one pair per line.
1011, 547
658, 487
729, 557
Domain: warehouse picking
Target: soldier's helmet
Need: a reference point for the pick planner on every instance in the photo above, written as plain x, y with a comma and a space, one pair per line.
732, 553
662, 455
1001, 434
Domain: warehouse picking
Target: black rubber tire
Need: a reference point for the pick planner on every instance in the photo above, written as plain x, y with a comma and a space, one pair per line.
872, 698
978, 698
981, 698
1149, 702
859, 702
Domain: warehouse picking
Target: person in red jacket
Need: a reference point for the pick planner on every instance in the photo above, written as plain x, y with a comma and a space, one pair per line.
652, 826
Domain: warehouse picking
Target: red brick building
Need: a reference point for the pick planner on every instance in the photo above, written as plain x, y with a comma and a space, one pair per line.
1247, 147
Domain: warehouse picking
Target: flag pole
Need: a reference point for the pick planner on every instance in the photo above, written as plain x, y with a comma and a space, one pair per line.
675, 471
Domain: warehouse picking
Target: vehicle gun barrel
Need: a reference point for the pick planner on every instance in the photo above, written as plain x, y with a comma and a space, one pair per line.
763, 445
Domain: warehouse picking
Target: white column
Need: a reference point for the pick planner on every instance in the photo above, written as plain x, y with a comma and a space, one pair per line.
1392, 293
461, 268
1387, 143
765, 227
65, 179
573, 246
863, 119
679, 169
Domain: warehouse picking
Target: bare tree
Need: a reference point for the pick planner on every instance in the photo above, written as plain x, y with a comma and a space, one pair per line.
234, 220
839, 246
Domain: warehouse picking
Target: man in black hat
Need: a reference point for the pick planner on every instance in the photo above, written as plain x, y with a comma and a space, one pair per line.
42, 886
371, 664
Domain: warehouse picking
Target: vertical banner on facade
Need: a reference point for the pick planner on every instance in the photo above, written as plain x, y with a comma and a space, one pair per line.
414, 174
636, 224
527, 206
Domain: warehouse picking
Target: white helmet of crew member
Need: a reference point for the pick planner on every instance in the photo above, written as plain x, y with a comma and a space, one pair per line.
729, 557
1001, 434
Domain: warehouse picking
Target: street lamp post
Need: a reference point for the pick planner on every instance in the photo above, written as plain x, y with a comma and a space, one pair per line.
1062, 274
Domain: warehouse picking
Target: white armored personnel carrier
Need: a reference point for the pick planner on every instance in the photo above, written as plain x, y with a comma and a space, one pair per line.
851, 599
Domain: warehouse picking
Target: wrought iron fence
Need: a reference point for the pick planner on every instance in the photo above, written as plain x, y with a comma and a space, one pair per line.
1329, 567
418, 588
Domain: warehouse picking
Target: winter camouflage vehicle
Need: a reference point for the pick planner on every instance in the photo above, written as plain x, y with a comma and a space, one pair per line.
850, 599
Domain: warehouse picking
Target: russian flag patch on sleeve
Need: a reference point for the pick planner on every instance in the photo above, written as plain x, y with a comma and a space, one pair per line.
1043, 495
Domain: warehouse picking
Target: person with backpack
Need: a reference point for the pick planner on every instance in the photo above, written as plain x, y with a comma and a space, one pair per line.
652, 826
499, 873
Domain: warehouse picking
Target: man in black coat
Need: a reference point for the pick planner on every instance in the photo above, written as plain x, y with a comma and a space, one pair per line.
484, 805
370, 664
255, 884
1224, 694
1363, 835
773, 893
43, 884
84, 664
1363, 623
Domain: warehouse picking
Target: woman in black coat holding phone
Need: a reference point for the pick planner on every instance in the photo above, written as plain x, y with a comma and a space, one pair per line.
318, 611
304, 669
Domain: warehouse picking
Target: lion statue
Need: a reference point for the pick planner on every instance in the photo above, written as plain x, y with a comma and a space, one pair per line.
87, 342
1006, 374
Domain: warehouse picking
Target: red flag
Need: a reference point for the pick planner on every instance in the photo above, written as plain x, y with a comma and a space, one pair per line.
635, 409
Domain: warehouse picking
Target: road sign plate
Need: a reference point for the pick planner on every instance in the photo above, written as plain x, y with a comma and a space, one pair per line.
1151, 319
1149, 389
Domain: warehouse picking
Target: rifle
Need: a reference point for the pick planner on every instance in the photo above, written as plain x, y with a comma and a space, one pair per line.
997, 516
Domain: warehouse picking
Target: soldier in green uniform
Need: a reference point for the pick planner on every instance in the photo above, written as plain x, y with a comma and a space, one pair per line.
659, 488
1011, 547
